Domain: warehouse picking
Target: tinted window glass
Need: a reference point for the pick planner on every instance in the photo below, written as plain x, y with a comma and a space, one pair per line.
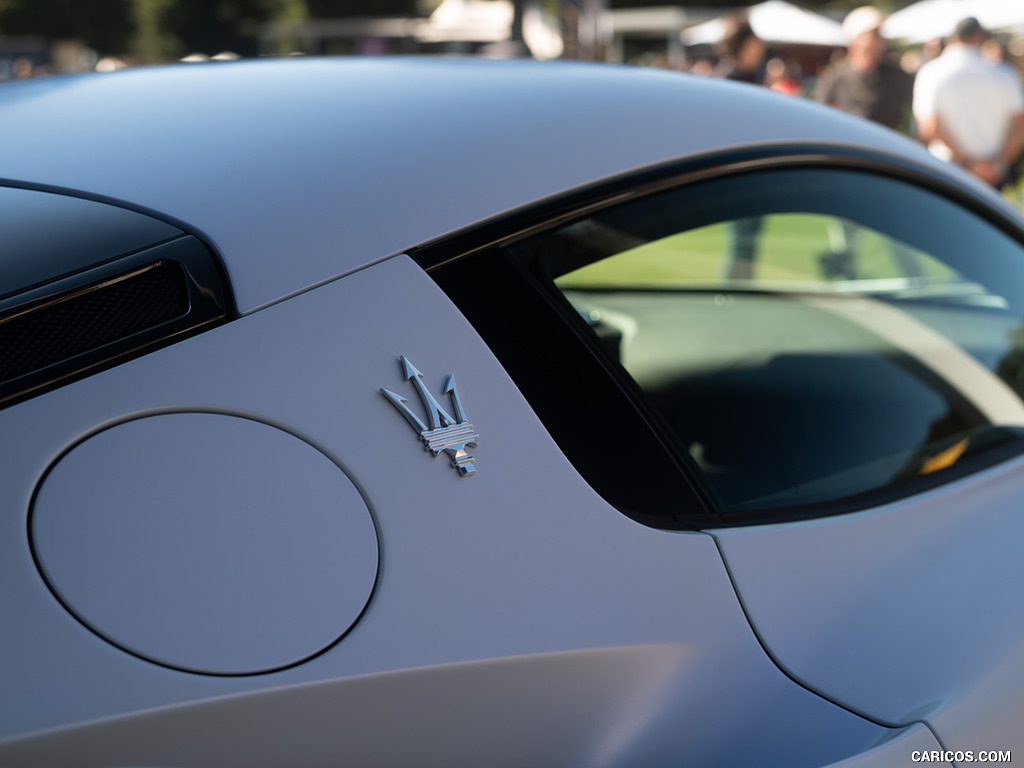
804, 336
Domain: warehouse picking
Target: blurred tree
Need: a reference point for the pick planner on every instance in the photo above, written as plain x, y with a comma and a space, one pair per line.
285, 12
104, 25
152, 30
153, 41
229, 25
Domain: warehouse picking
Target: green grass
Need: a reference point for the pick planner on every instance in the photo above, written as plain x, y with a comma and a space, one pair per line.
1016, 195
789, 248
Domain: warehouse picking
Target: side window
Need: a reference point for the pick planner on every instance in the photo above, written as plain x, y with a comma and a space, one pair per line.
803, 337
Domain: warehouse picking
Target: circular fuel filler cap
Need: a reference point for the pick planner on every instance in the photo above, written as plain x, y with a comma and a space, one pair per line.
206, 542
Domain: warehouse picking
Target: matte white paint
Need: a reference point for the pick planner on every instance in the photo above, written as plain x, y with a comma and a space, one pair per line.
206, 542
908, 612
522, 560
519, 579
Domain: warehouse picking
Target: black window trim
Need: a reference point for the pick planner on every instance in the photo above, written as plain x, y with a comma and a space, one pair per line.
507, 228
705, 511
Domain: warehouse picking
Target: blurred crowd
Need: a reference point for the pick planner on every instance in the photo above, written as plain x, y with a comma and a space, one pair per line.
961, 95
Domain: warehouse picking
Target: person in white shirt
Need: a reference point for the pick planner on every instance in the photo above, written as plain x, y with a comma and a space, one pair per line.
969, 111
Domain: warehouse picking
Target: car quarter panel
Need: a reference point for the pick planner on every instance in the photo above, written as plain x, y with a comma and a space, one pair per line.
906, 612
517, 576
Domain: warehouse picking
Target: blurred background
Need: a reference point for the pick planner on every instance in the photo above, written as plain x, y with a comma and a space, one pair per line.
840, 52
39, 37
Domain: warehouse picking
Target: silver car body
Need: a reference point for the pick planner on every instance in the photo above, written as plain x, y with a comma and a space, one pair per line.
232, 550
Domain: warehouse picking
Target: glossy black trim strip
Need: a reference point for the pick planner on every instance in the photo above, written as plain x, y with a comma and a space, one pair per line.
102, 316
581, 203
600, 426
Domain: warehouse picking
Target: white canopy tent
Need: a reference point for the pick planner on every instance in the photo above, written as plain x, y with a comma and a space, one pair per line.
489, 21
774, 21
929, 19
458, 23
476, 20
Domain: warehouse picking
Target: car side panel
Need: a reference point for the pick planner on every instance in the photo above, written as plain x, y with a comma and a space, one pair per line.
518, 582
881, 611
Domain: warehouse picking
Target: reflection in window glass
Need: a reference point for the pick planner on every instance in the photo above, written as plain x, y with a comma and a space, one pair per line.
814, 351
793, 248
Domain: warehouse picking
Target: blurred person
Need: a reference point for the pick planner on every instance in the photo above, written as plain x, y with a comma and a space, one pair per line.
911, 61
969, 111
780, 77
868, 84
998, 54
865, 82
741, 52
23, 68
993, 51
702, 68
742, 59
932, 49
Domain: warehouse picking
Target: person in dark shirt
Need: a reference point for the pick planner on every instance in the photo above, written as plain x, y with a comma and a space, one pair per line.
742, 58
741, 53
865, 82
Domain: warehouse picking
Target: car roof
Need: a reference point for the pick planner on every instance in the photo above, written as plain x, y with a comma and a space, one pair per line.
300, 170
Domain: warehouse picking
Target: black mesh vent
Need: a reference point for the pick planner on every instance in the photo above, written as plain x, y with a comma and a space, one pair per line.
91, 318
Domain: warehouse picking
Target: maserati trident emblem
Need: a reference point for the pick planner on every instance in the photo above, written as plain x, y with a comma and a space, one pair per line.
441, 432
